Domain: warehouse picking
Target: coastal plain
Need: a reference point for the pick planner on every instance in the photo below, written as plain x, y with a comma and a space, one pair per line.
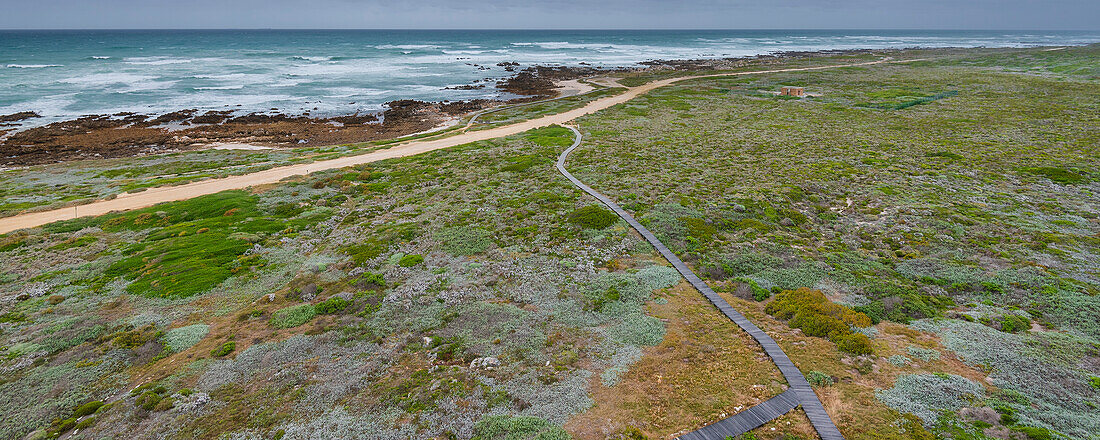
920, 237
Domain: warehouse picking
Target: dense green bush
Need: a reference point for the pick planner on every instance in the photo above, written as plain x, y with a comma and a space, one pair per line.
332, 305
87, 408
410, 260
809, 311
224, 349
293, 316
593, 217
1013, 323
1034, 433
372, 280
855, 343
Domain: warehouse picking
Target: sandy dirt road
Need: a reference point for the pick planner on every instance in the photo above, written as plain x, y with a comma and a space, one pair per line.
157, 195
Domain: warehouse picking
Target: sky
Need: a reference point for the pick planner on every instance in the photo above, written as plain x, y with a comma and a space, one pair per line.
551, 14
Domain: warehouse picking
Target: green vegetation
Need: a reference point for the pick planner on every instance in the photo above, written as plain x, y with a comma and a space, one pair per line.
410, 260
523, 112
473, 291
332, 305
897, 99
182, 338
809, 311
462, 240
293, 316
517, 428
593, 217
819, 379
1058, 175
224, 349
193, 245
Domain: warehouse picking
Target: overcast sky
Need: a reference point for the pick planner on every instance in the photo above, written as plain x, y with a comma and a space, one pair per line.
551, 14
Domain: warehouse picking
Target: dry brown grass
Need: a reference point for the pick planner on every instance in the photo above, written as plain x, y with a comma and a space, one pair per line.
794, 423
705, 369
851, 400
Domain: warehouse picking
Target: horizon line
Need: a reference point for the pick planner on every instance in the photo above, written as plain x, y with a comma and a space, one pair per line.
552, 29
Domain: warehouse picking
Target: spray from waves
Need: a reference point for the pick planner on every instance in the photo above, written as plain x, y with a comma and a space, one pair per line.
33, 66
154, 72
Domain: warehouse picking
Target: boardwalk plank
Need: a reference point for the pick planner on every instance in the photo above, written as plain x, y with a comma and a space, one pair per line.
799, 392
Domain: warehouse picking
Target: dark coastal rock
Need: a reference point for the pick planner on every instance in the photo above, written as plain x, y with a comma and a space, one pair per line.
176, 116
21, 116
212, 117
356, 119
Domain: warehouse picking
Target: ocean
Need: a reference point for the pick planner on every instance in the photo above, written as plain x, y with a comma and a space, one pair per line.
64, 74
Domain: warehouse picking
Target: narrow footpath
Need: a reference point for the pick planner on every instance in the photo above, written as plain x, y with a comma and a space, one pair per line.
153, 196
799, 391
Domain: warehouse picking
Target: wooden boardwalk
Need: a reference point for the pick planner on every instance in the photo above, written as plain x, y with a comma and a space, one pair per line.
799, 391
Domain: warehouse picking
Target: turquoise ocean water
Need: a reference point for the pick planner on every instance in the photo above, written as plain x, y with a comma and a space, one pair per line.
62, 74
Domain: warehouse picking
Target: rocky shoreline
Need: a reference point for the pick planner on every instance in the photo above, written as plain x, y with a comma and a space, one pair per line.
131, 134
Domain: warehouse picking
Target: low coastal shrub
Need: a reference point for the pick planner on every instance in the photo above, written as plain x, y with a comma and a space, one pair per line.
152, 397
1034, 433
506, 427
87, 408
174, 261
553, 136
753, 289
924, 354
945, 155
855, 343
898, 360
819, 379
182, 338
371, 280
927, 395
809, 311
293, 316
593, 217
1013, 323
364, 252
1058, 175
464, 240
521, 163
410, 260
224, 349
332, 305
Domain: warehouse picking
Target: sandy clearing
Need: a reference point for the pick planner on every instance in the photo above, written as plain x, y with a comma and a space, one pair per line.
573, 87
153, 196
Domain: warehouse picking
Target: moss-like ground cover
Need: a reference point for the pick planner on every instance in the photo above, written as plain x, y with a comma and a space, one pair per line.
474, 293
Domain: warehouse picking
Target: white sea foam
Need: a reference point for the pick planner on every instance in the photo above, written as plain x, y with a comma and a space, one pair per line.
155, 76
237, 87
407, 46
109, 79
157, 61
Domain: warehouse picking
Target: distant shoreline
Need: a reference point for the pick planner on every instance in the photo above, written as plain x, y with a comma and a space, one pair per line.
132, 134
